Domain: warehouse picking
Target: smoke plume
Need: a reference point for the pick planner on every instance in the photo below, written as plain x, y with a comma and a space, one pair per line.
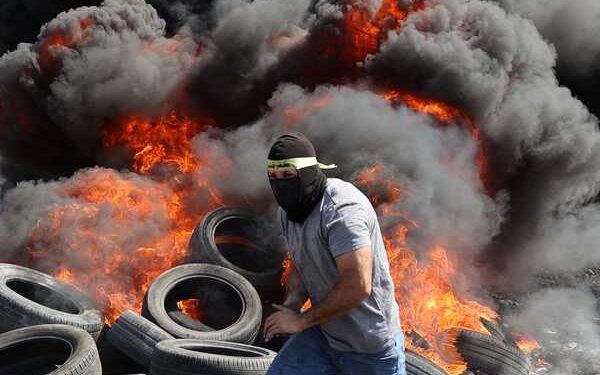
511, 178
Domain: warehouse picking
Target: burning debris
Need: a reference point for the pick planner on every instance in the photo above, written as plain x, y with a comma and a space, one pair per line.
118, 137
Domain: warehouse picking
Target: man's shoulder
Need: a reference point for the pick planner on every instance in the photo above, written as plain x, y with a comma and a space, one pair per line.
340, 192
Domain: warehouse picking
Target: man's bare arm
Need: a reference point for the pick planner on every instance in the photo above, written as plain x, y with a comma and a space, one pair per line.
296, 294
354, 285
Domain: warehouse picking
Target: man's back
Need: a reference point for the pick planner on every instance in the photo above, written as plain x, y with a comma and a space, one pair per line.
344, 220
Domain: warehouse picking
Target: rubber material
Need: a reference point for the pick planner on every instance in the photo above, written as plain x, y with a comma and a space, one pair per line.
136, 337
245, 323
491, 355
17, 310
493, 328
192, 357
38, 350
419, 365
267, 280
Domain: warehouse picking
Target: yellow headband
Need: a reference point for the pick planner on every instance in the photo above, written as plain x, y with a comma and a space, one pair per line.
298, 163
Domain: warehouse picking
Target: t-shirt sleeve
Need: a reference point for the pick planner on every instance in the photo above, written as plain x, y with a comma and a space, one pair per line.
347, 228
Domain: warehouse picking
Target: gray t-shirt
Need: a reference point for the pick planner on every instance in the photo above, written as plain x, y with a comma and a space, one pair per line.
344, 220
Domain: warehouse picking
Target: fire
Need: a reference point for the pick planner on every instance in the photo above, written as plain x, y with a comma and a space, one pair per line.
432, 309
167, 141
104, 254
366, 30
527, 344
191, 307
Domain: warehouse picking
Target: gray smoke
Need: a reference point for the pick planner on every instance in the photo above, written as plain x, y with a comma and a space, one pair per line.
498, 67
92, 65
247, 40
571, 26
563, 321
357, 129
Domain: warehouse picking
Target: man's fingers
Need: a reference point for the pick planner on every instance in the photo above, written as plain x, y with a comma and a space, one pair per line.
271, 320
272, 331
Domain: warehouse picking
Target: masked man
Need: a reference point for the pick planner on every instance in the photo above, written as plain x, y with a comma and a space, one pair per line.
340, 263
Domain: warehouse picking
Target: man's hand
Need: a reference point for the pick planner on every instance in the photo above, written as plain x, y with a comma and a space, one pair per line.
284, 322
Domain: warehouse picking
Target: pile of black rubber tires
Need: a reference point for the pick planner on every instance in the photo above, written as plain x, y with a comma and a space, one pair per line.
234, 274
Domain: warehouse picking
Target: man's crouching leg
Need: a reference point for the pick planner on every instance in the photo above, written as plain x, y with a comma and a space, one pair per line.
305, 353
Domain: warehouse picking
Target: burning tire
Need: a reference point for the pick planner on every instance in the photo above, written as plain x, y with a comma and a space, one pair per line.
192, 357
419, 365
227, 306
236, 239
494, 329
136, 337
491, 355
29, 297
48, 349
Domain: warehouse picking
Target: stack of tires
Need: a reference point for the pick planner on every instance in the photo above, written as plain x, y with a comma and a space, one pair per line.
235, 271
46, 326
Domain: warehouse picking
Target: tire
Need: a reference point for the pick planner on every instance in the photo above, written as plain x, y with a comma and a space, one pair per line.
40, 350
29, 297
192, 357
259, 260
136, 337
232, 306
419, 365
491, 355
494, 329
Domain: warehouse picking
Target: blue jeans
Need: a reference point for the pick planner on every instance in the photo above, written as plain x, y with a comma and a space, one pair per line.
308, 353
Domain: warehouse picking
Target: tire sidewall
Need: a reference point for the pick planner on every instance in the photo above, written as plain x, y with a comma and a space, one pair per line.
244, 330
82, 345
88, 317
205, 249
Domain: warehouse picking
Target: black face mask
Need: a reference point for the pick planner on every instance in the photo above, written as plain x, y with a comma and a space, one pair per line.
298, 196
287, 193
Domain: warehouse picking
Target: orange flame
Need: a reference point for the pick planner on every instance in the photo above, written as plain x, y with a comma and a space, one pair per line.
190, 307
366, 30
112, 261
527, 344
431, 307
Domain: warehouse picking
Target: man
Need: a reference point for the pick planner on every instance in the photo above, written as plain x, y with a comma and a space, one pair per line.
340, 263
